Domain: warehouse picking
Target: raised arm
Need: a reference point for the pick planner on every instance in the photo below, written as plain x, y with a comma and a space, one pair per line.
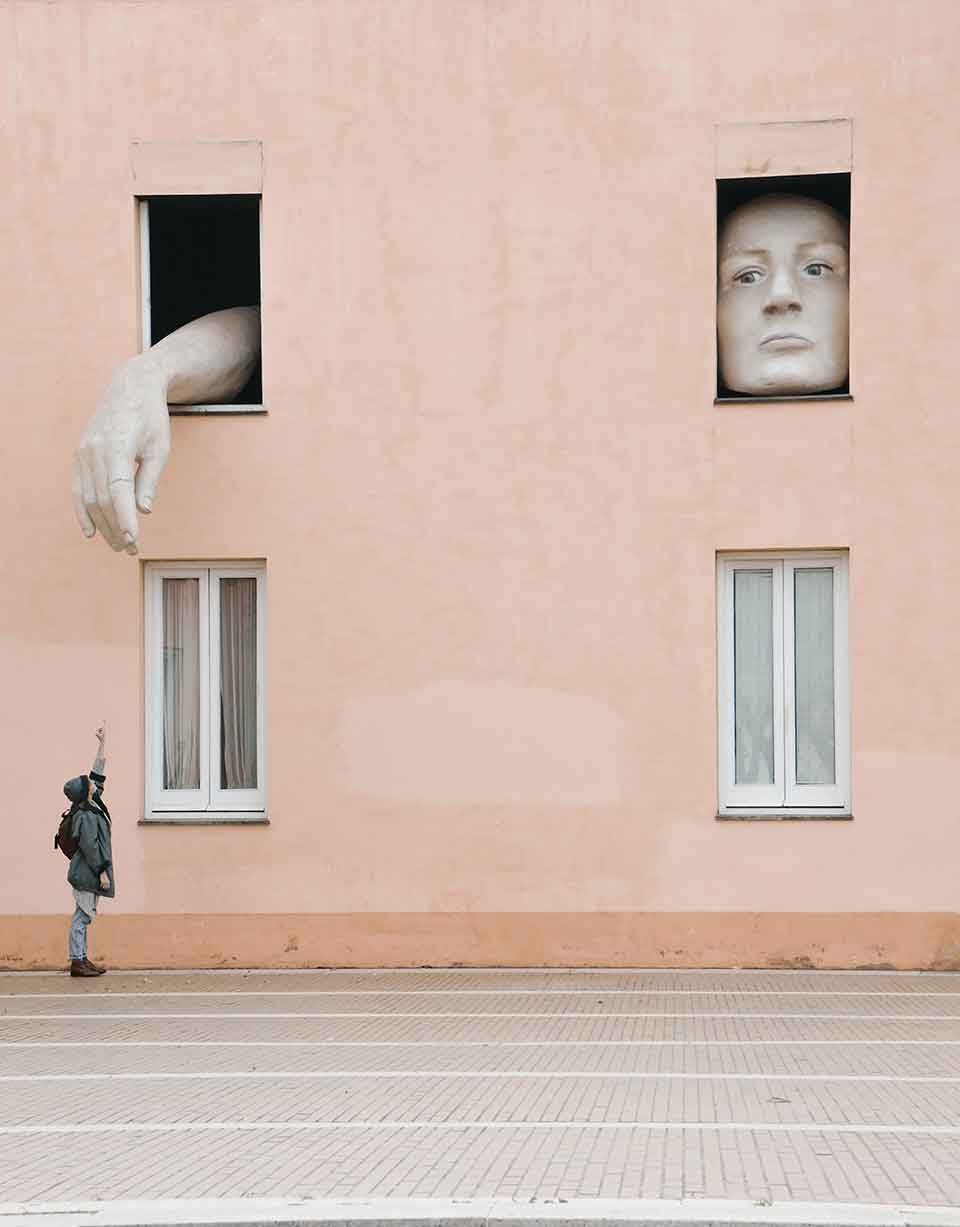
98, 772
209, 359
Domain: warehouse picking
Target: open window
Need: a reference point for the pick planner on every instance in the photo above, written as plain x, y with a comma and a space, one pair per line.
199, 254
204, 655
783, 267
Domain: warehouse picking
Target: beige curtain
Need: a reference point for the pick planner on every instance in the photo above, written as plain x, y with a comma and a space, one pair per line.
238, 683
753, 676
181, 683
813, 625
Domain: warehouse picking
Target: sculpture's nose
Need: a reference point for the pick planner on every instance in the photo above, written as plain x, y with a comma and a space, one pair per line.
782, 294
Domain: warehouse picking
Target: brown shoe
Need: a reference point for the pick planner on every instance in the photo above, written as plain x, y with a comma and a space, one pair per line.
79, 968
101, 971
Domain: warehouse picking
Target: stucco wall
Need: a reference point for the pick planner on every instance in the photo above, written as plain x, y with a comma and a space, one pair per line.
492, 481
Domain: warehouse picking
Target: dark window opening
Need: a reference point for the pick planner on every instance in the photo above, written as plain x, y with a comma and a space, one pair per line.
204, 256
832, 190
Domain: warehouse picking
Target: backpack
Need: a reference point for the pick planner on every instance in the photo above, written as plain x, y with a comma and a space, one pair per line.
65, 839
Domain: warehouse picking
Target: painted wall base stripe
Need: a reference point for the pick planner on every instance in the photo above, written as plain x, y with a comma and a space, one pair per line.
529, 969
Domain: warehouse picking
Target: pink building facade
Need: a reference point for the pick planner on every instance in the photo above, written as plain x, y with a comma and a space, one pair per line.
491, 506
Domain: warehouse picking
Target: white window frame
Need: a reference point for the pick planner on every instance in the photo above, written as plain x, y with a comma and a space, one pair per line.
208, 802
146, 318
784, 796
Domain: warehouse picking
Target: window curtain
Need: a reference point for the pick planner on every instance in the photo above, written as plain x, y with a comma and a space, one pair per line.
753, 676
181, 683
813, 632
238, 683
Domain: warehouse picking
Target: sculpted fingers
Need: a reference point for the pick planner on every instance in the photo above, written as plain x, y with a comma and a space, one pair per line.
104, 516
120, 488
89, 494
79, 510
152, 464
131, 424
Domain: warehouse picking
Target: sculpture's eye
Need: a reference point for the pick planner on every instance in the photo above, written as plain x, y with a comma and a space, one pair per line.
816, 269
748, 277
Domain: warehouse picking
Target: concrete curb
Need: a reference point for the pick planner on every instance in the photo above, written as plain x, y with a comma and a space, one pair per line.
470, 1212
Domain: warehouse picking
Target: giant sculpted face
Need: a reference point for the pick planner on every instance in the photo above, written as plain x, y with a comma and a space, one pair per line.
782, 297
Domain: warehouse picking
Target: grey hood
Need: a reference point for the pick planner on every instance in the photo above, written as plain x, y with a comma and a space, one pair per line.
77, 789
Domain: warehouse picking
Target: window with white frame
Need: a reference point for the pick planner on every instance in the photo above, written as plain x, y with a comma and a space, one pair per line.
205, 691
784, 706
199, 254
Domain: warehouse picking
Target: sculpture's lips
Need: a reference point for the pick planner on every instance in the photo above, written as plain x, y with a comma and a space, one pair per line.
785, 340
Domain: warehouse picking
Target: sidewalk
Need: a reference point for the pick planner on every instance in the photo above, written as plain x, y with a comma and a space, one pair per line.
481, 1096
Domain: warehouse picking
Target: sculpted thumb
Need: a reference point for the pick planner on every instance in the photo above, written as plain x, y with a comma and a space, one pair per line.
148, 475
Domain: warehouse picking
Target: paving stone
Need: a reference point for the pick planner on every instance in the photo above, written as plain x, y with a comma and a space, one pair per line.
762, 1086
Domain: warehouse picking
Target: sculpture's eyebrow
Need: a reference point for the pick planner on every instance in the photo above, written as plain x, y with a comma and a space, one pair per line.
737, 252
822, 243
736, 255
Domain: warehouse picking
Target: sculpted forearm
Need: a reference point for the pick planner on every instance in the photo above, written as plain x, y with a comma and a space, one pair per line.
211, 358
126, 443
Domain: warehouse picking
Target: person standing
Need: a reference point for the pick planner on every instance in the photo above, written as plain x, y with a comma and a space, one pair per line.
91, 866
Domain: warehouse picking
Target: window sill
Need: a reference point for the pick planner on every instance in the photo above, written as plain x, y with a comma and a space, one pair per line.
205, 819
780, 400
212, 410
783, 816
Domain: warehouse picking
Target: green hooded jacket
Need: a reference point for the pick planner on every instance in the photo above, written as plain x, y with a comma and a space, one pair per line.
94, 854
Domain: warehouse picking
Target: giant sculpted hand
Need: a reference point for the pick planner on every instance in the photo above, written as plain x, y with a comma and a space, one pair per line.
123, 450
130, 428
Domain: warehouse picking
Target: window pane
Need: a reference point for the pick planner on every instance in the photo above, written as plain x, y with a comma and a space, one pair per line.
181, 683
753, 675
238, 683
813, 655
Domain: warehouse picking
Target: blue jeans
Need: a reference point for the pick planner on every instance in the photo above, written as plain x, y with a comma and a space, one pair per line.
78, 932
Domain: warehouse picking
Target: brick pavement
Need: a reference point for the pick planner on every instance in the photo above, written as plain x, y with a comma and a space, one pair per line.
759, 1087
